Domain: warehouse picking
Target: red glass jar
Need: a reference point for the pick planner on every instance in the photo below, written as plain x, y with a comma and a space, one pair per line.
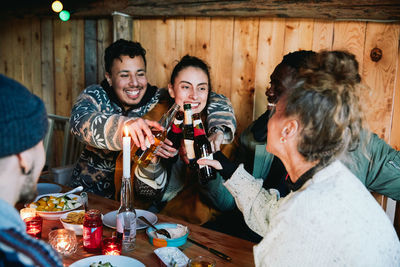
92, 231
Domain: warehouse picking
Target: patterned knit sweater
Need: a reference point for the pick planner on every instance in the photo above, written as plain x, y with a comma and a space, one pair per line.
97, 119
331, 221
19, 249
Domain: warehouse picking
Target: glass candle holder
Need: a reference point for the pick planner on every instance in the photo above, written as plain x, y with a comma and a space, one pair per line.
34, 226
111, 246
202, 261
27, 213
63, 241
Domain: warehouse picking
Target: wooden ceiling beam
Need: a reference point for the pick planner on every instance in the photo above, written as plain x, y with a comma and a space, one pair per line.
386, 10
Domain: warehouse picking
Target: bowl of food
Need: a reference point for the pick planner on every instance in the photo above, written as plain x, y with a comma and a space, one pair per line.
171, 256
73, 220
178, 232
52, 206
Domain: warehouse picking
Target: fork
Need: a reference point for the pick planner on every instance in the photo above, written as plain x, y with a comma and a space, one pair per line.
159, 231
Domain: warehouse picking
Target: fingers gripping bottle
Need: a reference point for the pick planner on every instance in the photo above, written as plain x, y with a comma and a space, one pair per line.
144, 157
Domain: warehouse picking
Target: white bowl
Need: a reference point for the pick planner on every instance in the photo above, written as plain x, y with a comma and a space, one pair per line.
55, 215
77, 228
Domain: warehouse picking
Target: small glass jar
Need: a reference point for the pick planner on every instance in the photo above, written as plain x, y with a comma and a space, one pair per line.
92, 231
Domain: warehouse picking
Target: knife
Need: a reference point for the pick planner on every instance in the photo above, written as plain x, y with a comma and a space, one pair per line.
216, 252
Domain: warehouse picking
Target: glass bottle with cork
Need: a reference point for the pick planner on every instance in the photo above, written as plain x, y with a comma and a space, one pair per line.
144, 158
202, 149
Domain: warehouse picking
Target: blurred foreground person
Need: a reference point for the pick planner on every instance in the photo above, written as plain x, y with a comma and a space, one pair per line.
23, 125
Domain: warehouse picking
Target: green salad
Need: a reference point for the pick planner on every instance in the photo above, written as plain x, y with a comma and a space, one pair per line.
99, 264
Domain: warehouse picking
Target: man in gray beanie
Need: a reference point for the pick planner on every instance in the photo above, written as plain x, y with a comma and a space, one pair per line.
23, 125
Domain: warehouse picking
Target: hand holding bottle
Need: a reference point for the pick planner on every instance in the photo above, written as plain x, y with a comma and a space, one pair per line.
210, 162
166, 150
139, 130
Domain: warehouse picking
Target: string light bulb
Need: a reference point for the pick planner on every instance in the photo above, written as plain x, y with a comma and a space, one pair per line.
64, 15
57, 6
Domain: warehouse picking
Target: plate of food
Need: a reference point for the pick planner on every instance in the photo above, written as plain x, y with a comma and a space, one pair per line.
110, 219
51, 206
107, 261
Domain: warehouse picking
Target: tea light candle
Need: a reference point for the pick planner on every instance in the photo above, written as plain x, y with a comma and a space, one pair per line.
111, 246
27, 213
63, 241
34, 226
126, 154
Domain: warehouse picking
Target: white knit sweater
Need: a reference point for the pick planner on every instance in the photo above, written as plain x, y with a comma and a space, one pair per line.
331, 221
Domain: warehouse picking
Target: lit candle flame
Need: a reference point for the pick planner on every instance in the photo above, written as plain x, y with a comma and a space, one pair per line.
126, 132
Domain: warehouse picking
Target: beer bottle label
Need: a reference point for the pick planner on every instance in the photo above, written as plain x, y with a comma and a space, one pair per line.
198, 128
189, 148
126, 224
210, 156
176, 129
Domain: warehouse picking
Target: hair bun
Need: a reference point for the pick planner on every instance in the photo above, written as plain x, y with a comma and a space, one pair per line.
342, 65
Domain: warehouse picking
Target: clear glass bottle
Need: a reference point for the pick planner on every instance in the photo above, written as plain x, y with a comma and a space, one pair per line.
126, 217
143, 158
202, 149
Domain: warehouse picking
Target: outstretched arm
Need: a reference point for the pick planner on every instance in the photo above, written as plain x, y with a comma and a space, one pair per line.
93, 122
221, 120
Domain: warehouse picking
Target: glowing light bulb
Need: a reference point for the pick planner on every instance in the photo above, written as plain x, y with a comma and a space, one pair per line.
64, 15
57, 6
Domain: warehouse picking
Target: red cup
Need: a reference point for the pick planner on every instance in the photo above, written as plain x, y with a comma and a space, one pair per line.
111, 246
34, 226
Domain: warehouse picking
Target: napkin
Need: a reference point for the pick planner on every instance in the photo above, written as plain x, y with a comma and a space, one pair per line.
175, 232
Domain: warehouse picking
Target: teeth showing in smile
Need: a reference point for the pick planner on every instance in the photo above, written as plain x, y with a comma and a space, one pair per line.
195, 105
132, 93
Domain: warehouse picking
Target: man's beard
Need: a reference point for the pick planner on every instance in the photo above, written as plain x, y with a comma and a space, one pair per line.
29, 188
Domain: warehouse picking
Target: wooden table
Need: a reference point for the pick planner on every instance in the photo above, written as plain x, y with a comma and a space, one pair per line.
241, 251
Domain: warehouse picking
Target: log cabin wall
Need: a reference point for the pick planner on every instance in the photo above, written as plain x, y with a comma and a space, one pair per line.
57, 60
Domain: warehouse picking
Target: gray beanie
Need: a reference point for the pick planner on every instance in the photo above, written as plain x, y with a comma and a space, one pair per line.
23, 118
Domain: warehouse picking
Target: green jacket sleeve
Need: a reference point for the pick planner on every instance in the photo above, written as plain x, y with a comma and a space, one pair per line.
377, 165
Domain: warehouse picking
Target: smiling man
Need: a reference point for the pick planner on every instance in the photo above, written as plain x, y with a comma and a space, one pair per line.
122, 99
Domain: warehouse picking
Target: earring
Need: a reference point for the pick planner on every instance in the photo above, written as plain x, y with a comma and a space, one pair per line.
24, 172
282, 140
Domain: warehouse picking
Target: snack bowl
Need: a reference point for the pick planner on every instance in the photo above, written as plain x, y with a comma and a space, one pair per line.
178, 232
77, 228
171, 257
55, 215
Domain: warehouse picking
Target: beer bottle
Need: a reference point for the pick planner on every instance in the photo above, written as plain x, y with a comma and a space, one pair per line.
188, 135
175, 134
126, 217
202, 149
143, 158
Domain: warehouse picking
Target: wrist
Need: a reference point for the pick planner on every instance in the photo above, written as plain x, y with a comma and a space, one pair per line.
228, 167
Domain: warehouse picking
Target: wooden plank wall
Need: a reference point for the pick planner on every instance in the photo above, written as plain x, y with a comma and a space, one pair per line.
56, 60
